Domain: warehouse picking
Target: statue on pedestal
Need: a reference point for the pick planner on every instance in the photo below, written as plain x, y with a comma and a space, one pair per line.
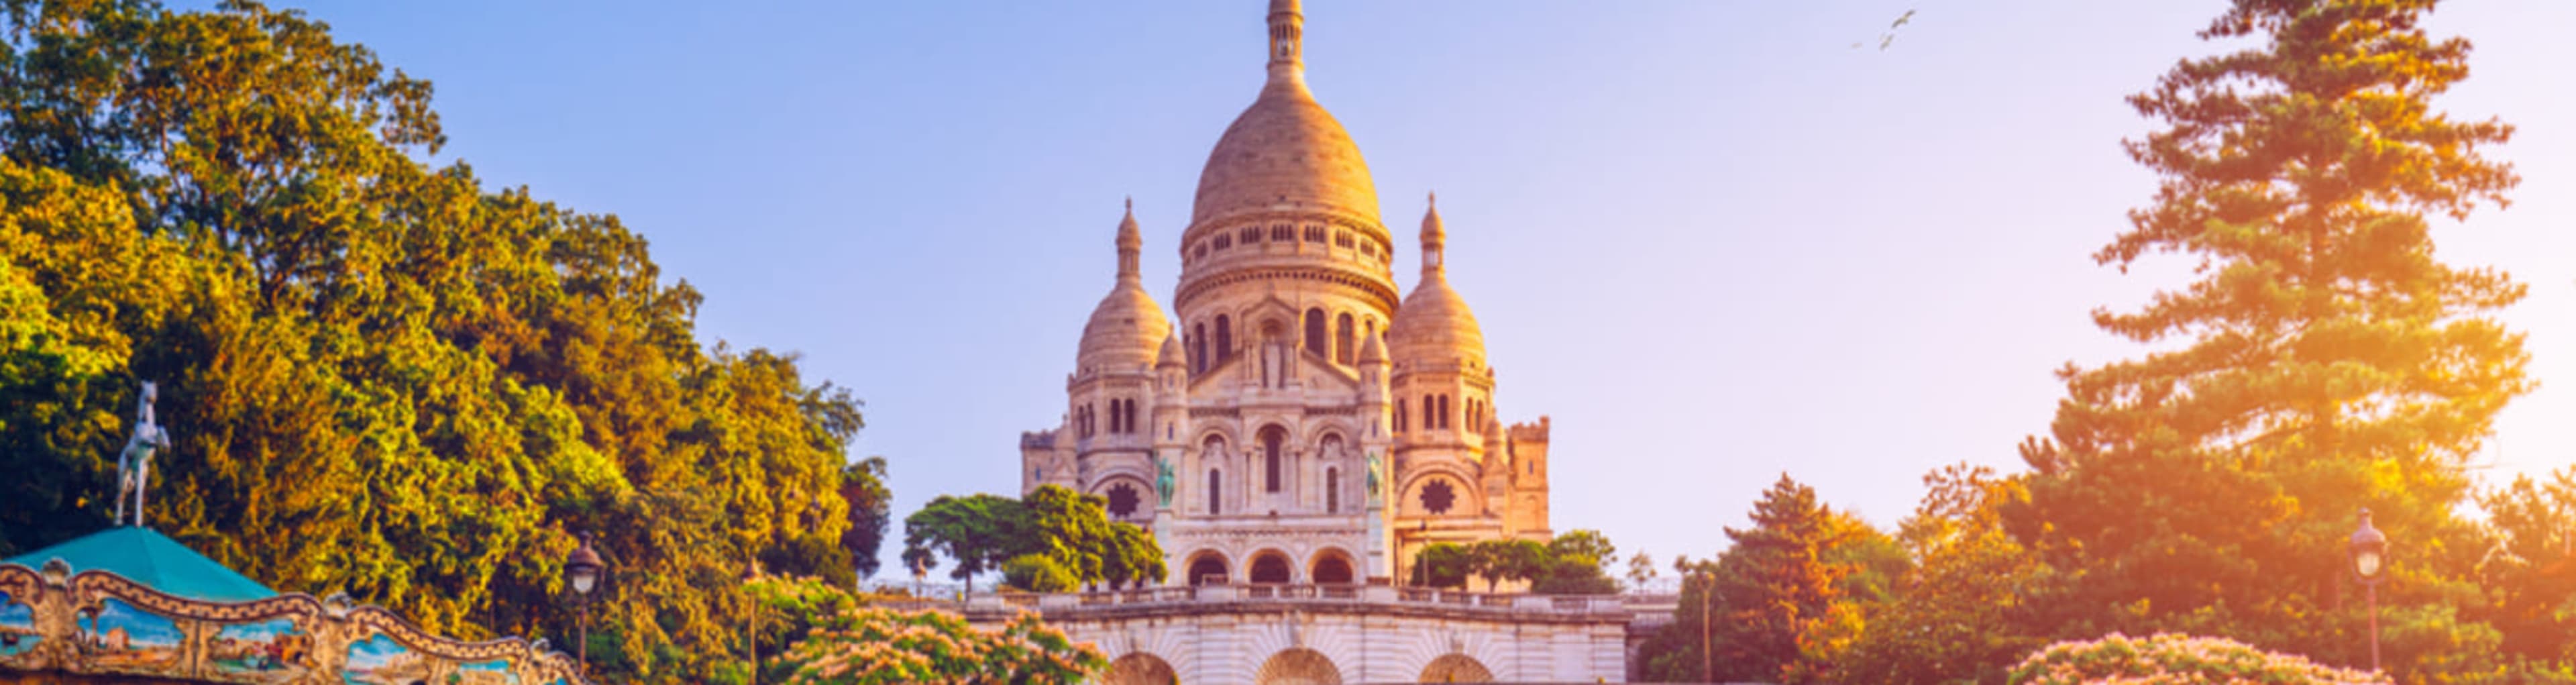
134, 465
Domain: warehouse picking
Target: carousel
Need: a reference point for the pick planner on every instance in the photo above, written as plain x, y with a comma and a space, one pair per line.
130, 605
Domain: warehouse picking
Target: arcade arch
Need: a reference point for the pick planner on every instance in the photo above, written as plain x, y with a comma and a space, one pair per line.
1456, 668
1139, 668
1207, 567
1270, 566
1298, 666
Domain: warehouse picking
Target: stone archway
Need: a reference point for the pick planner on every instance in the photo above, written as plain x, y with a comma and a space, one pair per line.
1270, 567
1139, 668
1207, 567
1331, 567
1298, 666
1456, 668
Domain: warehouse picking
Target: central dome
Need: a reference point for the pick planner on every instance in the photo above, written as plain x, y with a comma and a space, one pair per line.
1284, 152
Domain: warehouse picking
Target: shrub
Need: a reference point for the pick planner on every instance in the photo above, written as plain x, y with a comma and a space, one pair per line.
2172, 658
1037, 573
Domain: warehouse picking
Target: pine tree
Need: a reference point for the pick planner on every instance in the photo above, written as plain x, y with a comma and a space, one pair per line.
2322, 361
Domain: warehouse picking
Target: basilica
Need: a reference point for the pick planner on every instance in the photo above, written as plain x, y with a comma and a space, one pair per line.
1292, 419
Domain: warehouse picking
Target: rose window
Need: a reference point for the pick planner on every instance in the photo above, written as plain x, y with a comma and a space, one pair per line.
1437, 497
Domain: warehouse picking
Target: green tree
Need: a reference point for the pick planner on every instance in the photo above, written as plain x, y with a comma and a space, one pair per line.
2531, 579
1498, 561
383, 379
1574, 565
1038, 573
1772, 605
976, 533
1967, 608
863, 486
1641, 570
2323, 360
1443, 565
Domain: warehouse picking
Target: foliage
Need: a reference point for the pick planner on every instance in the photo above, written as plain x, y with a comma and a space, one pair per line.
863, 486
1964, 610
1497, 561
1441, 565
976, 533
2532, 577
1574, 565
870, 646
2172, 658
381, 378
1641, 570
979, 532
1038, 573
1782, 604
2322, 362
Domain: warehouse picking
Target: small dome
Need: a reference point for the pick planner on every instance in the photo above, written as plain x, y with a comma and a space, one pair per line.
1125, 333
1435, 325
1172, 355
1127, 330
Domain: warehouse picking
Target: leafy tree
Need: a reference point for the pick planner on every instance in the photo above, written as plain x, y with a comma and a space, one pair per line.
976, 533
2175, 658
1442, 564
1641, 570
1038, 573
2323, 361
1073, 530
1507, 560
863, 486
2532, 577
1773, 605
383, 379
1966, 609
1574, 565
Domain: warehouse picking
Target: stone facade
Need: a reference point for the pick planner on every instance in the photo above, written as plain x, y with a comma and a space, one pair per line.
1335, 634
1300, 423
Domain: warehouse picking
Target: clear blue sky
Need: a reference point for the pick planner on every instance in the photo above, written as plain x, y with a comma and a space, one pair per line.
1712, 239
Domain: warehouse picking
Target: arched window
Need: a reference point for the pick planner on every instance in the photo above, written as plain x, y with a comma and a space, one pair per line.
1332, 491
1215, 483
1271, 439
1131, 415
1117, 415
1342, 339
1315, 334
1399, 416
1224, 339
1198, 349
1430, 412
1444, 411
1371, 329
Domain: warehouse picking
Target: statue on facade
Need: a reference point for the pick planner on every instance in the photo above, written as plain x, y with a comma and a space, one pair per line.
134, 465
1373, 467
1163, 480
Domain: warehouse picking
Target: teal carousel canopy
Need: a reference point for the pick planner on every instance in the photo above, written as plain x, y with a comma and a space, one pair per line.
146, 556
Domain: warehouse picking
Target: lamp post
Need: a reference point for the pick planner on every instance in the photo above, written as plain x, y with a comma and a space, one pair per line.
1707, 605
752, 636
583, 569
2369, 562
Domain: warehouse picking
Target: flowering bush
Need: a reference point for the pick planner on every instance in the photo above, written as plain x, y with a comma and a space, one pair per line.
870, 646
2175, 659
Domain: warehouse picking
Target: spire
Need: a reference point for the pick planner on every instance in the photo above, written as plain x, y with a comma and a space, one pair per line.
1433, 237
1287, 44
1131, 240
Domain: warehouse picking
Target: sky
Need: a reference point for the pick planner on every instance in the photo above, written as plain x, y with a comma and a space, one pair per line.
1716, 242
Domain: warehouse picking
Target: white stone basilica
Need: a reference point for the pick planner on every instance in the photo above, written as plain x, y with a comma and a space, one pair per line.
1300, 423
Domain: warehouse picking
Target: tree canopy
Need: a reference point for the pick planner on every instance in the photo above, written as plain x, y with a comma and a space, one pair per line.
1072, 531
381, 377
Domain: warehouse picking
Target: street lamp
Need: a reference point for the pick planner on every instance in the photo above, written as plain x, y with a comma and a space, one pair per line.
752, 637
583, 569
2369, 562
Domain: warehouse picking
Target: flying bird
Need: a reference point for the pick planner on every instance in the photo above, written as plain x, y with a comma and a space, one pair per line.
1889, 37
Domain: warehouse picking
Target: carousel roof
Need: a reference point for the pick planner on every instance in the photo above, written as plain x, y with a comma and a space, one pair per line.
146, 556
